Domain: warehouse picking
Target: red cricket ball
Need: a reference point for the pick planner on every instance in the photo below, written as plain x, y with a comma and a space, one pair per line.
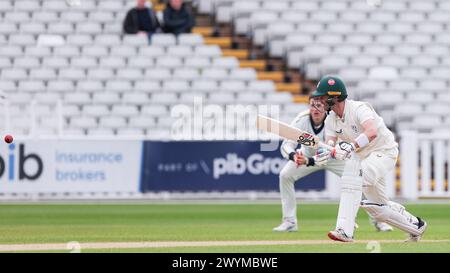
8, 138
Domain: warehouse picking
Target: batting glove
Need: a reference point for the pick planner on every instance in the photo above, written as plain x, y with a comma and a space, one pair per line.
343, 150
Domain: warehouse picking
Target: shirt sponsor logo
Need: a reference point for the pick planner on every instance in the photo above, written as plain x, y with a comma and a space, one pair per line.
339, 131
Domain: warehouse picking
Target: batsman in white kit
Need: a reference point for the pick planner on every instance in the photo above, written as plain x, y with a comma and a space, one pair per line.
303, 162
364, 151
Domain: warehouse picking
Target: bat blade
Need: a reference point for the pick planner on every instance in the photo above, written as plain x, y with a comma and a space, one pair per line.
288, 132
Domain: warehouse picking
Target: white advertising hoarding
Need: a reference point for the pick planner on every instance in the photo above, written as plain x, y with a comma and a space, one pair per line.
70, 166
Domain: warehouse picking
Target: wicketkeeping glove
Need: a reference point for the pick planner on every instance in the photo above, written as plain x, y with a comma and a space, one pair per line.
322, 156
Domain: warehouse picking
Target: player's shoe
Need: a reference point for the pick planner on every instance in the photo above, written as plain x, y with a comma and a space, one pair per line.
422, 226
286, 226
383, 227
339, 235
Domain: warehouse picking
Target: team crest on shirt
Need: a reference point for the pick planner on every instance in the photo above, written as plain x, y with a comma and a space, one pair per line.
355, 129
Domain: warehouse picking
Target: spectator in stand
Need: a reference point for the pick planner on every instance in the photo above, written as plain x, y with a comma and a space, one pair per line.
141, 20
178, 17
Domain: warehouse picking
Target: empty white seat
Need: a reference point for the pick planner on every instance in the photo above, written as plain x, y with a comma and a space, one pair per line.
179, 51
33, 28
229, 86
20, 98
111, 5
197, 62
154, 110
420, 97
370, 27
83, 62
26, 62
129, 73
107, 40
83, 122
8, 85
225, 62
36, 51
66, 51
208, 51
123, 51
411, 16
55, 62
353, 74
221, 98
215, 74
106, 98
77, 98
135, 98
95, 51
261, 86
147, 86
243, 74
12, 51
439, 108
190, 39
388, 39
433, 85
164, 98
118, 85
382, 72
135, 132
114, 62
250, 98
71, 74
189, 98
427, 121
60, 86
395, 61
101, 16
354, 16
435, 50
62, 28
175, 86
365, 61
125, 110
74, 16
440, 73
402, 85
44, 16
54, 5
391, 98
95, 110
413, 73
135, 40
5, 62
151, 51
32, 86
100, 73
204, 86
158, 74
427, 61
408, 109
100, 132
279, 97
47, 98
88, 28
347, 50
17, 16
113, 27
169, 62
166, 39
14, 74
89, 86
186, 74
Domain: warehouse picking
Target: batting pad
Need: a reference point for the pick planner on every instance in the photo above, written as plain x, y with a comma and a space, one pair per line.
351, 193
387, 214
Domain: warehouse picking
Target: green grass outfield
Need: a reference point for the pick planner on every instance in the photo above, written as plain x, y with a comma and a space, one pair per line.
59, 224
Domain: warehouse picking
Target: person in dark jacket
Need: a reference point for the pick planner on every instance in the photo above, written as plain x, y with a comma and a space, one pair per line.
140, 20
178, 17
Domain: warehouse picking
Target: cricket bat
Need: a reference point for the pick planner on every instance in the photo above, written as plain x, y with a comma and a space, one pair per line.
289, 132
